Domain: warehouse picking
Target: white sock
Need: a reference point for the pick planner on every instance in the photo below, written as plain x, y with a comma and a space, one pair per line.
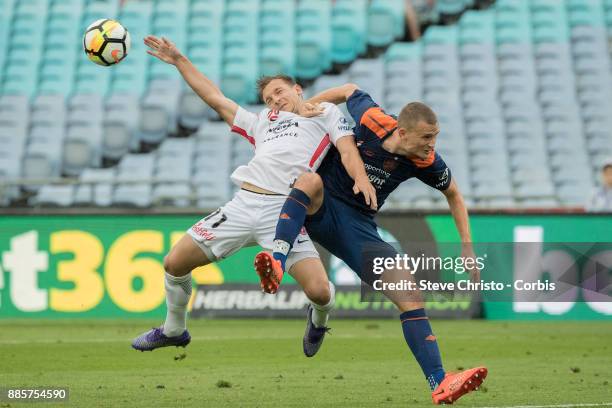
320, 314
281, 247
178, 292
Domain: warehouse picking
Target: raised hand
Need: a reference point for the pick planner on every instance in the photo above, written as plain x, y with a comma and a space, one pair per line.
310, 110
362, 185
163, 49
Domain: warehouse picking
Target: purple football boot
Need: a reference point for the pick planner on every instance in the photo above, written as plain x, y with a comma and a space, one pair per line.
313, 338
155, 338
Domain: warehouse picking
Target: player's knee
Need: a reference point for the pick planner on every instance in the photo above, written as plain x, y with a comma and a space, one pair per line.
168, 264
318, 292
310, 183
173, 265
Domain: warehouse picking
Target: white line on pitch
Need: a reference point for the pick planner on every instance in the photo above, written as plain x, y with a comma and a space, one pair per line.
603, 404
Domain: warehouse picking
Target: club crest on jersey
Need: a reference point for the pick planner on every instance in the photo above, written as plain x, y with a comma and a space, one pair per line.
389, 165
368, 153
273, 115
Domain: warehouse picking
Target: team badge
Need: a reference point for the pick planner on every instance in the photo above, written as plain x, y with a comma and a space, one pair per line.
389, 165
273, 115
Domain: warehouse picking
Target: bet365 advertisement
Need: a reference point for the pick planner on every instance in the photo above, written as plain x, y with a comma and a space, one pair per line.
112, 265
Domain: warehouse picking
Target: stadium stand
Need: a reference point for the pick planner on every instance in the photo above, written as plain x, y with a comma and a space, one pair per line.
523, 91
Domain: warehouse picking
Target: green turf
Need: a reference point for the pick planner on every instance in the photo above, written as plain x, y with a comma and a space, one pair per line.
363, 363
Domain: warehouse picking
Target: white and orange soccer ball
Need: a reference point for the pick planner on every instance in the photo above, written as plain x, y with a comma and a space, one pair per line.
106, 42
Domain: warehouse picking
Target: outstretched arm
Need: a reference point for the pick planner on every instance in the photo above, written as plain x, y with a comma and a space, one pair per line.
459, 211
351, 160
166, 51
335, 95
460, 215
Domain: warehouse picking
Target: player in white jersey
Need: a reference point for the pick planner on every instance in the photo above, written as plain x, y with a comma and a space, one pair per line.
286, 144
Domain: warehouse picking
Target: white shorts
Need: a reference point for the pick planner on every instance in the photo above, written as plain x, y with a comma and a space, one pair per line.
248, 219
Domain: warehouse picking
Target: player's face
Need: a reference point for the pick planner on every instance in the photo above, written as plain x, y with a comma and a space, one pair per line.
421, 140
607, 176
281, 96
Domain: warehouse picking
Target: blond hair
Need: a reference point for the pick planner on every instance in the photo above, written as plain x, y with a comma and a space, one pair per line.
414, 113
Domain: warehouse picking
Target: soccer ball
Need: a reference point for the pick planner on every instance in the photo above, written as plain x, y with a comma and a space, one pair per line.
106, 42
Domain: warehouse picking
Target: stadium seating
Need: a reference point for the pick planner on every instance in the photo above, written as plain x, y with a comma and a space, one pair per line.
522, 90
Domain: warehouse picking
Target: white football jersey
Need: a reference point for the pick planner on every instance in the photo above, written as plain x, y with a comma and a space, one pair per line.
286, 145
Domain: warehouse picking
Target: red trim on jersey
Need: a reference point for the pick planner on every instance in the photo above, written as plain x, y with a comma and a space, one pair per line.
244, 134
324, 143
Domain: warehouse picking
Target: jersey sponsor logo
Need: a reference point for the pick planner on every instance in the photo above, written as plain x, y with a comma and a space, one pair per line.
377, 176
285, 216
444, 176
376, 181
199, 229
281, 130
375, 169
283, 125
343, 125
443, 179
390, 164
282, 135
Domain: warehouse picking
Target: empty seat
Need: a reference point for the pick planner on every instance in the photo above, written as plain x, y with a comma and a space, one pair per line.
96, 187
54, 195
120, 125
192, 111
172, 194
169, 169
158, 116
175, 147
42, 160
136, 167
133, 195
82, 148
574, 194
383, 25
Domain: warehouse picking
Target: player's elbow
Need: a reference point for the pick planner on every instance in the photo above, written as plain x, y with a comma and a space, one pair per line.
349, 89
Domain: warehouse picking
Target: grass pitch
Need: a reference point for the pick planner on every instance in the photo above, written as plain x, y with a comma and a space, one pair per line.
259, 363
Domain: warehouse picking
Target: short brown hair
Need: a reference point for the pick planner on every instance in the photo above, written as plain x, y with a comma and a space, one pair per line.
263, 81
414, 113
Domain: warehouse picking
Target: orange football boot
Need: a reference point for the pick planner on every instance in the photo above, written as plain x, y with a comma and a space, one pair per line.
270, 272
455, 385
